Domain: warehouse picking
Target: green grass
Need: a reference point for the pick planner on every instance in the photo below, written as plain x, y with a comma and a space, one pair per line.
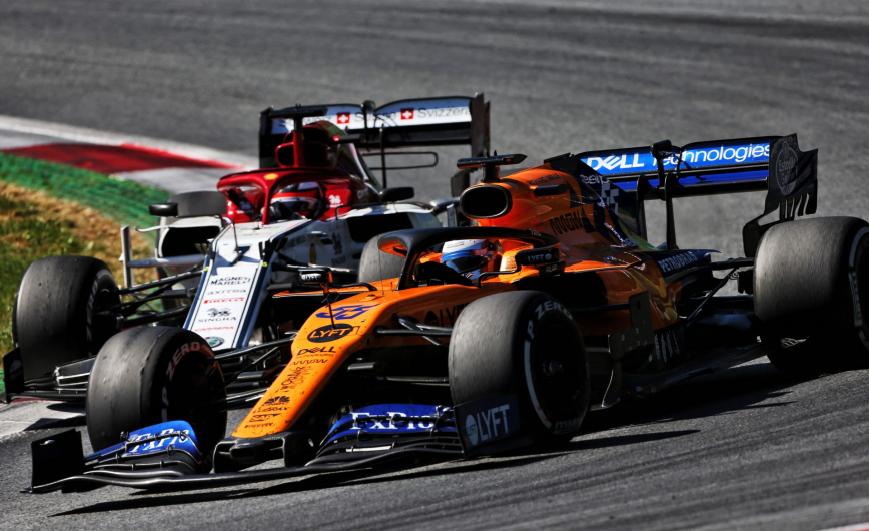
125, 201
29, 230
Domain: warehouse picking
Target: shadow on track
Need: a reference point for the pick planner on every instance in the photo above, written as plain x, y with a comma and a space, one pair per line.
724, 393
363, 477
728, 392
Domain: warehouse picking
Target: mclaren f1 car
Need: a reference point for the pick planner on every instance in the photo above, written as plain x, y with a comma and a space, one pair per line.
496, 336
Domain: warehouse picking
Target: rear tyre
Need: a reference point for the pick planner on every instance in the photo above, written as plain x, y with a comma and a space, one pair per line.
376, 265
145, 376
525, 344
811, 282
62, 312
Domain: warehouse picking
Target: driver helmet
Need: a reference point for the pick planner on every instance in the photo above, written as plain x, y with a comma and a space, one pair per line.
294, 201
470, 258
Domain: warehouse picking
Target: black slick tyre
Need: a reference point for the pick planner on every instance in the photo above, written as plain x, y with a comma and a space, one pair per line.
376, 265
62, 312
524, 344
811, 283
145, 376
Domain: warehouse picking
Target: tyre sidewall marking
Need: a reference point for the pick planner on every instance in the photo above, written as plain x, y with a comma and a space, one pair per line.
537, 315
186, 348
861, 239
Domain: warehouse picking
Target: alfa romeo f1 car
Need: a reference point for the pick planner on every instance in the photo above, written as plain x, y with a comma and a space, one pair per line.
314, 202
496, 336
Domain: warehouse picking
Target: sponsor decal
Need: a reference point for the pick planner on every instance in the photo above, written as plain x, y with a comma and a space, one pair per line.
334, 200
161, 439
722, 155
336, 243
363, 420
786, 169
223, 301
698, 157
262, 417
214, 341
328, 351
345, 313
406, 114
313, 361
214, 328
471, 430
488, 419
552, 268
567, 222
313, 278
278, 400
278, 403
342, 118
216, 319
229, 281
298, 240
215, 312
679, 261
545, 179
211, 293
593, 179
442, 112
444, 316
294, 377
328, 333
623, 162
546, 255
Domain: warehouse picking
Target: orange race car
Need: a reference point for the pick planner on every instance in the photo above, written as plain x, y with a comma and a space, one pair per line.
494, 336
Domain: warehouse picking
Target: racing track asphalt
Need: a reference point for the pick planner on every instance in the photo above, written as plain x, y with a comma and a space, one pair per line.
745, 448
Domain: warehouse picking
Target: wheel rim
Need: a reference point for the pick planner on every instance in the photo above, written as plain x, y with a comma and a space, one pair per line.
557, 370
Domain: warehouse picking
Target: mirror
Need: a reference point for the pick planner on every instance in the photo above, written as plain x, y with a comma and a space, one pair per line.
396, 193
538, 257
315, 276
166, 210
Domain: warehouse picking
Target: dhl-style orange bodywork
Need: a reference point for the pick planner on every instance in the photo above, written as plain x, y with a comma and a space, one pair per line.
592, 240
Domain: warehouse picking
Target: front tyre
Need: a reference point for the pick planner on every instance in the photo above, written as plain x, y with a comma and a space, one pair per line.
524, 344
145, 376
65, 310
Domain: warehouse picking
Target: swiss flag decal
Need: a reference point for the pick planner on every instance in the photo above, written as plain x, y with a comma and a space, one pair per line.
407, 114
343, 117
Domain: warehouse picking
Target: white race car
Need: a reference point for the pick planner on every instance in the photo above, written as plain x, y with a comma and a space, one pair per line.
220, 255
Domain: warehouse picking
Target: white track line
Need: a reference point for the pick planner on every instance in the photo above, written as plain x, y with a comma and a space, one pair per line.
53, 132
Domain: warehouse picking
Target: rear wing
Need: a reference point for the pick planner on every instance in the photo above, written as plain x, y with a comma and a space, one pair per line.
440, 121
771, 163
703, 168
